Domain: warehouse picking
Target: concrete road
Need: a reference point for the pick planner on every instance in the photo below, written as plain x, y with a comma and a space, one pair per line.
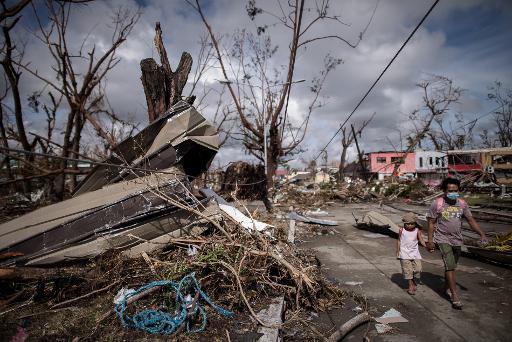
353, 255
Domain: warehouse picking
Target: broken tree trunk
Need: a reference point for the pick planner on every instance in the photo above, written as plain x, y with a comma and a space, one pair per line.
349, 326
162, 86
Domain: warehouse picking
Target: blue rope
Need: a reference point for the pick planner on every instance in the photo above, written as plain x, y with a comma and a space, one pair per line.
160, 322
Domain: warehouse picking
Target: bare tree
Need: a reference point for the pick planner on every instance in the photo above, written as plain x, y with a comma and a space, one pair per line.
224, 115
502, 115
11, 56
6, 161
347, 139
13, 76
439, 94
487, 139
261, 93
14, 10
80, 88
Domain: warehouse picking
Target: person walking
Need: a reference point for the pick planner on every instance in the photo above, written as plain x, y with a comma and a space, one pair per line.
445, 232
407, 251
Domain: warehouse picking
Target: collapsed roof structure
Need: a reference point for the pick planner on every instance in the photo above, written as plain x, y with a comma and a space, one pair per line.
141, 192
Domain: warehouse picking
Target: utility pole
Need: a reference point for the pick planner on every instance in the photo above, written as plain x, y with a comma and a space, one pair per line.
359, 153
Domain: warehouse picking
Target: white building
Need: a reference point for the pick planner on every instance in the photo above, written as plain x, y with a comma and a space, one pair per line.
431, 166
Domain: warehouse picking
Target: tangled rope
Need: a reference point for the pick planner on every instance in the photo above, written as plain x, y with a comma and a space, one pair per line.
160, 322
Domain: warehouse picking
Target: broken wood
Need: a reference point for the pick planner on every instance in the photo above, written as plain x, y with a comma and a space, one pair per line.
146, 258
349, 326
84, 296
162, 86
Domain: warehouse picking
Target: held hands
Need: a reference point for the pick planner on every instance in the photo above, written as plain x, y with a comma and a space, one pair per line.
483, 240
430, 246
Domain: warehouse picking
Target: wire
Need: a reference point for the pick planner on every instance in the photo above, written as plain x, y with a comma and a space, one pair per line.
378, 78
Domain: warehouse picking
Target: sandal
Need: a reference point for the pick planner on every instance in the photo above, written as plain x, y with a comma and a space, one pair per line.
448, 294
457, 305
411, 292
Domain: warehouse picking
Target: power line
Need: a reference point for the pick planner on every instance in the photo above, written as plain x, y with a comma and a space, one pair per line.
492, 111
380, 76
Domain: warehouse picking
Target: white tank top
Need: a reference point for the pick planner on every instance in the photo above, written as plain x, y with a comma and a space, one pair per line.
409, 244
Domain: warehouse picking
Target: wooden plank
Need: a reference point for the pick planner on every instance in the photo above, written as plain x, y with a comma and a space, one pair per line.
291, 232
272, 315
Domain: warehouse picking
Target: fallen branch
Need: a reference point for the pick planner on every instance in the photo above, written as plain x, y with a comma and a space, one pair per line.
349, 326
84, 296
242, 293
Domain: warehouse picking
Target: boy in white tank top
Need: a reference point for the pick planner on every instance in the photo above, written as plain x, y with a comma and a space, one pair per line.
407, 251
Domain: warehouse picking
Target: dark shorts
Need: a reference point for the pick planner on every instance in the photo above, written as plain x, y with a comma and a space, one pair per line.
450, 255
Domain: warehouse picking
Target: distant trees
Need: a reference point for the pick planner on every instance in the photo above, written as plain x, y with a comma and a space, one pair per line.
438, 123
439, 95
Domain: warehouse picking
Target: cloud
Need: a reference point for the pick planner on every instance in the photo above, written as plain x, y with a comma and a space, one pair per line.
467, 41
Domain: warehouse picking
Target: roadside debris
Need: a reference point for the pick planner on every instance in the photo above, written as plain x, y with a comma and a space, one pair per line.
246, 222
391, 316
353, 283
291, 232
377, 223
383, 328
272, 315
239, 269
155, 321
296, 217
244, 181
316, 212
349, 326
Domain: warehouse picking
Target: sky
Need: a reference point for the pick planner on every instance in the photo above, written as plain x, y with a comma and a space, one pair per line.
467, 41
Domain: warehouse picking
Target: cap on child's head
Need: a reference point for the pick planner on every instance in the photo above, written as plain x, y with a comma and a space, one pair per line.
409, 217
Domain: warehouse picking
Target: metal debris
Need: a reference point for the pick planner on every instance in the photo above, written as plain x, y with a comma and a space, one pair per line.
115, 203
294, 216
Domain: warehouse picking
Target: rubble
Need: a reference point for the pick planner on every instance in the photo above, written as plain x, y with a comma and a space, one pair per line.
234, 268
244, 181
135, 224
168, 232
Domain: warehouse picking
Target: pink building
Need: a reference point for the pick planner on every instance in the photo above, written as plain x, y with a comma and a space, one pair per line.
383, 163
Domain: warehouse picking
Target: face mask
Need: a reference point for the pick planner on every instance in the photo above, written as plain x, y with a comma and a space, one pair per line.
452, 195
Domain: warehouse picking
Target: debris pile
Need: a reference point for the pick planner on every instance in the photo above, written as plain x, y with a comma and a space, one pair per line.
502, 243
136, 227
237, 268
244, 181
